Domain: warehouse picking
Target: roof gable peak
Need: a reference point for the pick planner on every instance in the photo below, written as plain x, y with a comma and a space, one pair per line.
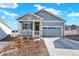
43, 10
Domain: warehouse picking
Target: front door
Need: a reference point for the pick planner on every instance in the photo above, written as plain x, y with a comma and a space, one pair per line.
37, 29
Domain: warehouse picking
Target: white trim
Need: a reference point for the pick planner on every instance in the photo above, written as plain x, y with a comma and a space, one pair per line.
52, 21
33, 29
38, 20
41, 28
30, 14
30, 20
57, 26
52, 26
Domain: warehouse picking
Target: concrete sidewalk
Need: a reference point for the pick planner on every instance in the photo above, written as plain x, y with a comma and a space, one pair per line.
62, 47
3, 45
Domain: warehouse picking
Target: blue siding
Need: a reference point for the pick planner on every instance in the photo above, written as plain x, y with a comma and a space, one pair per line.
53, 24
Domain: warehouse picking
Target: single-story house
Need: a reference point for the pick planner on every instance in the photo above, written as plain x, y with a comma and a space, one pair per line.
69, 31
40, 24
5, 30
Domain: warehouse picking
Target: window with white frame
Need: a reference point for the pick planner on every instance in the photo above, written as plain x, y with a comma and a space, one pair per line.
27, 26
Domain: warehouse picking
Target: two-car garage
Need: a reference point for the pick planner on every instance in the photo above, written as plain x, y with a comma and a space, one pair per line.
52, 31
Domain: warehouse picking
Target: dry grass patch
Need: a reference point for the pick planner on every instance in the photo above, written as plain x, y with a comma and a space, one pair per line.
26, 48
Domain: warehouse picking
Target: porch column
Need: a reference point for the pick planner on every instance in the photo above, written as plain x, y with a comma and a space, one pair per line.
19, 28
33, 28
40, 29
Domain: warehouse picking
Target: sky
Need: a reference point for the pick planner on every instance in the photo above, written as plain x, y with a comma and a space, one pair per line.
9, 12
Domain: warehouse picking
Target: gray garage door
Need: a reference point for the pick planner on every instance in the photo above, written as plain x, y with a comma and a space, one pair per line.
51, 31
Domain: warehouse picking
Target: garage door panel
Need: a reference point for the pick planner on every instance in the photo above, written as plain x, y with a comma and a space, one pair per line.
51, 31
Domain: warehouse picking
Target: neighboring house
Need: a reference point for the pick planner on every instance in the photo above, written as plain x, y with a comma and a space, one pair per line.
40, 24
69, 31
5, 30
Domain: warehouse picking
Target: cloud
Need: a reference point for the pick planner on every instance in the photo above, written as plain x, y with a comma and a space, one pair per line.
8, 5
58, 3
39, 7
51, 10
3, 17
8, 13
73, 14
74, 19
70, 8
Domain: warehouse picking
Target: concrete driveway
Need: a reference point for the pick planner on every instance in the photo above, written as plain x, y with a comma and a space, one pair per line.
62, 46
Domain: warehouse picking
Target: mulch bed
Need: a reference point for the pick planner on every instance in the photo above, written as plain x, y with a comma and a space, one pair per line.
25, 47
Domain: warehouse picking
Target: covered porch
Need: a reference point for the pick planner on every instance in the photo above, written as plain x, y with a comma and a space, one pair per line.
30, 29
29, 26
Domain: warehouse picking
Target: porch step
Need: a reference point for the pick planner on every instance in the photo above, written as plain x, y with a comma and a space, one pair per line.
36, 37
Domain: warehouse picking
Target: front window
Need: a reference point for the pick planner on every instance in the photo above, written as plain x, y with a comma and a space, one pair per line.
27, 26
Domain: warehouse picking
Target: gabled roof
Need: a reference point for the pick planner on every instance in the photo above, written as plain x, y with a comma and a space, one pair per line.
39, 16
31, 14
50, 14
1, 21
